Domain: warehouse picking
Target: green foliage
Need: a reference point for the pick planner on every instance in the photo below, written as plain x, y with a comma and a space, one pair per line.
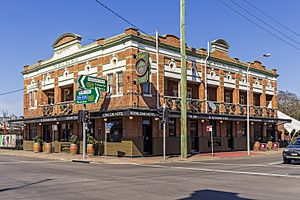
257, 138
270, 138
73, 139
38, 139
90, 139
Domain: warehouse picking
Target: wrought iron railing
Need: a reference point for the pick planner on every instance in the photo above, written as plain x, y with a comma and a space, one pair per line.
66, 107
174, 104
48, 110
230, 108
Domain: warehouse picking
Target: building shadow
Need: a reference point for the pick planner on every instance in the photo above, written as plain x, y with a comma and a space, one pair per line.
214, 195
25, 185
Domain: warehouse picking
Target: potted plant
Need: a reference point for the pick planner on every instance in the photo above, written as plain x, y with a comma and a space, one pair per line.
73, 146
37, 144
270, 143
90, 145
256, 145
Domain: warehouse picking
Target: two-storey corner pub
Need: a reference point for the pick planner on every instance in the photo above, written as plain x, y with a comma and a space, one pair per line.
140, 79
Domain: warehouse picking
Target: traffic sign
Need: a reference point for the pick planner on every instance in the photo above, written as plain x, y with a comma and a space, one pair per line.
87, 96
209, 128
89, 82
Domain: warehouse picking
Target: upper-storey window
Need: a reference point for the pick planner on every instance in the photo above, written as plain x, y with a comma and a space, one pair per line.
190, 92
228, 98
242, 99
32, 99
175, 90
110, 84
120, 82
67, 93
146, 88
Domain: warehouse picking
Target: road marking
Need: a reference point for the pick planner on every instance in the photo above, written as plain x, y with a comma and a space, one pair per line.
275, 163
222, 171
29, 162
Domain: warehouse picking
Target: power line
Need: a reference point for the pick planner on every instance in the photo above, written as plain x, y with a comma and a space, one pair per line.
10, 92
262, 21
253, 22
119, 16
272, 18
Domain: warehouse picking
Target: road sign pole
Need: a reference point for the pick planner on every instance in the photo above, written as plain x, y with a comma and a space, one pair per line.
212, 143
84, 136
164, 131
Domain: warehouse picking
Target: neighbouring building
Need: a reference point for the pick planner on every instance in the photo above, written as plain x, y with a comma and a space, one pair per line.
131, 108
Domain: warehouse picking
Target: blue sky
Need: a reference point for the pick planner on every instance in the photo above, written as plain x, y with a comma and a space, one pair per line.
28, 29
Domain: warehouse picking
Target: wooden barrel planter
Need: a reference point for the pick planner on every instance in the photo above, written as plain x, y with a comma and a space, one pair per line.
90, 149
73, 149
256, 146
47, 147
36, 147
269, 145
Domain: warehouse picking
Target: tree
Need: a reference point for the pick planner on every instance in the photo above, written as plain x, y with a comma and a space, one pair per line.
289, 103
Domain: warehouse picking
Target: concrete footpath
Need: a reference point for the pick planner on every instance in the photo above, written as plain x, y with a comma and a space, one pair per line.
139, 160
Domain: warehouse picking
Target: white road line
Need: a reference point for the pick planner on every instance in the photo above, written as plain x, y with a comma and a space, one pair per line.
231, 164
275, 163
29, 162
223, 171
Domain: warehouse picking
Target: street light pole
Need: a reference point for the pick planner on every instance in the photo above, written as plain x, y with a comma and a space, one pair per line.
248, 102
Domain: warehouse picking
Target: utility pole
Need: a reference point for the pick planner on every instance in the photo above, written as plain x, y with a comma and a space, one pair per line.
183, 81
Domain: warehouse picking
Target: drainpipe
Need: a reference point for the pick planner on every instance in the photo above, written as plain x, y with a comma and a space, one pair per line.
205, 71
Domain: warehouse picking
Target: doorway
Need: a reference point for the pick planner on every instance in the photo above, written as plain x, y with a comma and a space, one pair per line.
230, 135
46, 132
194, 136
147, 136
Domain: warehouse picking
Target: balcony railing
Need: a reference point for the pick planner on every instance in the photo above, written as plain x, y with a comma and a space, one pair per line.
66, 107
230, 108
213, 107
47, 109
62, 108
174, 104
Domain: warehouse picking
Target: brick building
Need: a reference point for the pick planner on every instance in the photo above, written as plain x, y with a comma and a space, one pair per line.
130, 108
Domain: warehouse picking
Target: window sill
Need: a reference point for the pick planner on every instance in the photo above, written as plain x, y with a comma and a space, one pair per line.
114, 95
32, 108
147, 95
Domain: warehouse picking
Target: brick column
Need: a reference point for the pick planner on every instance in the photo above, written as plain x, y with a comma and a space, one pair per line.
57, 92
251, 95
220, 92
263, 98
236, 96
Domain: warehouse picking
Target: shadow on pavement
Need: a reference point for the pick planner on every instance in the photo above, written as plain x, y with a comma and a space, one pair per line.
213, 195
26, 185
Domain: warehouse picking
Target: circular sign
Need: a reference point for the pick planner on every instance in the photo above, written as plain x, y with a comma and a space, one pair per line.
141, 67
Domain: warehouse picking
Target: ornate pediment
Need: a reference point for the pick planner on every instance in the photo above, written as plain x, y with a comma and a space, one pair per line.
66, 44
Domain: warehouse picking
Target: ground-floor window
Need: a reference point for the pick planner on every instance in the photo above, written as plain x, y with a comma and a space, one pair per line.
116, 130
32, 131
66, 130
271, 132
258, 132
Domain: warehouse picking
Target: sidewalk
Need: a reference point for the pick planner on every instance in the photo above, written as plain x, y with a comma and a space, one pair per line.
141, 160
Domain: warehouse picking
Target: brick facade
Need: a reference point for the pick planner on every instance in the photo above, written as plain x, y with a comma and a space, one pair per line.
134, 108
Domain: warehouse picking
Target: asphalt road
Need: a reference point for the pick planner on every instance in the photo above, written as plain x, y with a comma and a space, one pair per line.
238, 179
